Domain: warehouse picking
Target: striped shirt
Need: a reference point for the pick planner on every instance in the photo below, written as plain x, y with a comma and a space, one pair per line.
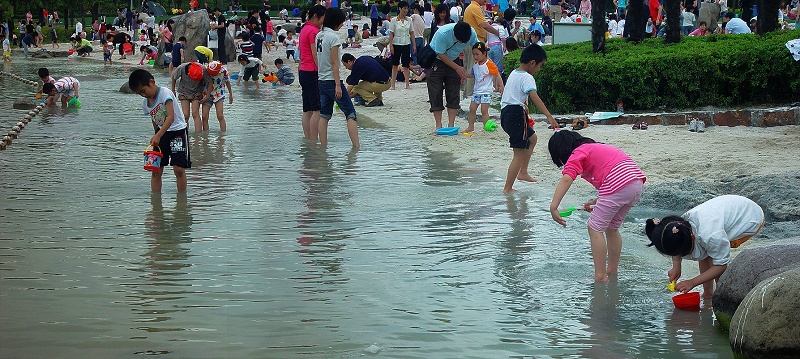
66, 84
606, 167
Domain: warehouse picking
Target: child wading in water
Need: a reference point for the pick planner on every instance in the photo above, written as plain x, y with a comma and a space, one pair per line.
171, 132
331, 86
514, 114
619, 182
487, 79
215, 96
706, 234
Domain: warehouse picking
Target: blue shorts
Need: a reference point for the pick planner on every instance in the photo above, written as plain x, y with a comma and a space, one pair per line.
482, 98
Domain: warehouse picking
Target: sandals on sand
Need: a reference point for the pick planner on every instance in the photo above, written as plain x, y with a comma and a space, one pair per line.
639, 125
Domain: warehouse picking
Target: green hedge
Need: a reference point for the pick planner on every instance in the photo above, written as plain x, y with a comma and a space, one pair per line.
717, 70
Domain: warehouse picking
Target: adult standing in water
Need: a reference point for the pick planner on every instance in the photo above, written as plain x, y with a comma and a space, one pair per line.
308, 72
222, 30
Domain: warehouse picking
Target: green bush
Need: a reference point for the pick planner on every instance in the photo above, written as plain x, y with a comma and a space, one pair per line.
717, 70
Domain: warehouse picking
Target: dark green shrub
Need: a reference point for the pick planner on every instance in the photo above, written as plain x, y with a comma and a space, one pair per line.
718, 70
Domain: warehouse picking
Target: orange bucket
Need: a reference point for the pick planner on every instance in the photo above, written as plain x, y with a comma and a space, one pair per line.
687, 301
152, 159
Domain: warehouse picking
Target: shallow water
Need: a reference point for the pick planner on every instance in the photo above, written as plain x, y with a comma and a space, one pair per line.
283, 250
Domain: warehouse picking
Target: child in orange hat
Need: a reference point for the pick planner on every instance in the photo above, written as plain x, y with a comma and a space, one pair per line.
192, 81
216, 93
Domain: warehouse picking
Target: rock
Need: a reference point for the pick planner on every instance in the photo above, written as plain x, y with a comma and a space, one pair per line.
767, 323
42, 54
125, 88
748, 269
24, 104
195, 26
709, 12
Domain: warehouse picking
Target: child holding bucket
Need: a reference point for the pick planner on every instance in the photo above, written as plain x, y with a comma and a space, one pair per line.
487, 78
706, 234
171, 132
514, 114
619, 182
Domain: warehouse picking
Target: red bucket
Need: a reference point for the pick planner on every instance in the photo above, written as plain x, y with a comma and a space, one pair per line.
687, 301
152, 159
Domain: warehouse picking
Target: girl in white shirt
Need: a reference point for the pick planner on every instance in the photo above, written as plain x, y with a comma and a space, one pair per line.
401, 42
705, 233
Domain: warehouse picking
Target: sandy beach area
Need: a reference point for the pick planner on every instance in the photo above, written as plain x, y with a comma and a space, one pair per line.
752, 161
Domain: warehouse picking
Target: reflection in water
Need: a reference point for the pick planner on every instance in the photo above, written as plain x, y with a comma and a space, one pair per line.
322, 229
208, 149
164, 265
603, 323
438, 170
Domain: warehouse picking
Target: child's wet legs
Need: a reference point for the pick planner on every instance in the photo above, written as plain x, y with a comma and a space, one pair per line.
155, 181
599, 252
513, 169
614, 243
220, 116
523, 174
322, 131
352, 131
180, 178
198, 123
708, 287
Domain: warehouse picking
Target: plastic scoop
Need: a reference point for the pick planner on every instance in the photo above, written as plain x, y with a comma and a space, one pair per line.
568, 212
671, 286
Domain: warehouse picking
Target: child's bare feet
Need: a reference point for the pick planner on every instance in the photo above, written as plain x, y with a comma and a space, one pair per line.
526, 178
509, 191
601, 277
408, 87
470, 129
391, 88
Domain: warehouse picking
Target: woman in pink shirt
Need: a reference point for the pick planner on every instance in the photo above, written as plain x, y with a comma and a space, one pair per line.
307, 72
619, 182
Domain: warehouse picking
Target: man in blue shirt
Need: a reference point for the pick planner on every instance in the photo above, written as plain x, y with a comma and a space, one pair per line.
368, 79
374, 18
445, 74
735, 25
535, 26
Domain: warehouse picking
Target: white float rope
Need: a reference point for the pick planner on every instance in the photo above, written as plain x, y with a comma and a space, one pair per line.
16, 129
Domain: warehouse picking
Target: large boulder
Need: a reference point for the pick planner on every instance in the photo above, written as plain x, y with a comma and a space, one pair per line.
126, 88
748, 269
709, 12
25, 104
42, 54
194, 26
767, 323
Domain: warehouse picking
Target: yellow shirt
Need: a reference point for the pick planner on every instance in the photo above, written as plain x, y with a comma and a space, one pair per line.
205, 51
473, 16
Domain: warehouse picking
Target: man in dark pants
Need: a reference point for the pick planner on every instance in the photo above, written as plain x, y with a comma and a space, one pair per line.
221, 33
374, 17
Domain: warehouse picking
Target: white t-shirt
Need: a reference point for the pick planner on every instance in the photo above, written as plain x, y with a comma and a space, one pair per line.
401, 30
492, 39
6, 45
516, 90
326, 39
717, 222
455, 13
418, 24
290, 44
612, 28
158, 110
78, 28
428, 18
737, 26
620, 27
484, 77
282, 32
67, 85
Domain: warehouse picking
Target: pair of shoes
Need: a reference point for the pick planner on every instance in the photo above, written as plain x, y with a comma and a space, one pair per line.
358, 100
639, 125
693, 125
375, 102
700, 126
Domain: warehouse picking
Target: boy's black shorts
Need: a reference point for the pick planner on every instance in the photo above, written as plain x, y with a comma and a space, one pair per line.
514, 120
174, 145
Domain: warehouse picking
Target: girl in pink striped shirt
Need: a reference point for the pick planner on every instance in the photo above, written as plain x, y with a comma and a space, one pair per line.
619, 182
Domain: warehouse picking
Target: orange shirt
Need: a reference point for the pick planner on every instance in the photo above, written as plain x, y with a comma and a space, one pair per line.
473, 15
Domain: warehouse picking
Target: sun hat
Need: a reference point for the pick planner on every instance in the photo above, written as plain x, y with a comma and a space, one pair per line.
195, 71
214, 68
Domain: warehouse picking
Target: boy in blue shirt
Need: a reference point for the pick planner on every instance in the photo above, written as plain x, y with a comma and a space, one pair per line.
171, 136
